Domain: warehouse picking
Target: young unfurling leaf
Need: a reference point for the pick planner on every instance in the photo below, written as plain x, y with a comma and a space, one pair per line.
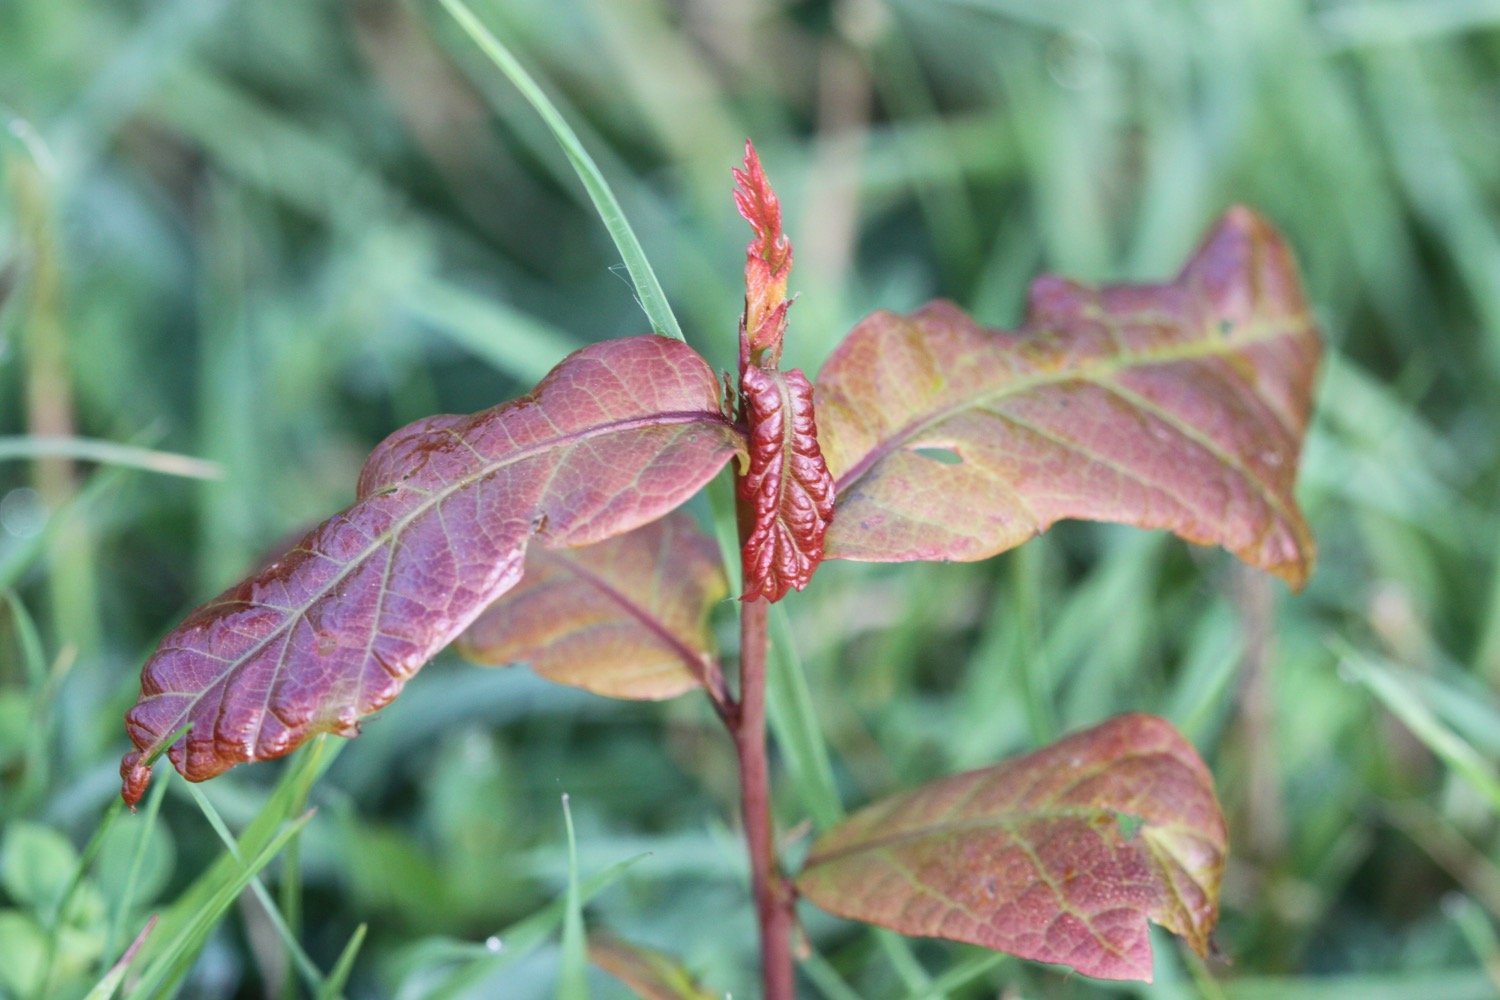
617, 435
787, 494
768, 263
1059, 856
1178, 406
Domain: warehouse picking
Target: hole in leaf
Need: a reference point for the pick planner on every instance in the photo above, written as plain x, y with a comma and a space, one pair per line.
1129, 825
943, 456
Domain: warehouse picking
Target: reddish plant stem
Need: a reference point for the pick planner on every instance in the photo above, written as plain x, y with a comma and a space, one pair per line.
773, 897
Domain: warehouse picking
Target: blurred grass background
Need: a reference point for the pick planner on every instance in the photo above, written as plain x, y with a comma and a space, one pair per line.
264, 235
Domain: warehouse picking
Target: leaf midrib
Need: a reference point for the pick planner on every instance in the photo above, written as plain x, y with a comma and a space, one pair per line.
1100, 372
1006, 821
295, 614
1011, 815
647, 618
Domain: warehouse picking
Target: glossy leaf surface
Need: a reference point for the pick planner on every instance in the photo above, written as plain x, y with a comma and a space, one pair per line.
650, 974
626, 617
787, 492
1179, 406
1059, 856
615, 436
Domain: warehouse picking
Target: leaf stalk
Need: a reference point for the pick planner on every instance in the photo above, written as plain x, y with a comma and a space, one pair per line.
773, 894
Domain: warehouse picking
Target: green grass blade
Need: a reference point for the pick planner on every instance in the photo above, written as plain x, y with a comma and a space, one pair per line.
19, 559
515, 343
181, 950
825, 977
33, 659
1402, 701
41, 687
963, 974
789, 703
516, 941
653, 300
300, 958
108, 453
1477, 931
1034, 677
110, 984
903, 960
85, 862
289, 899
338, 976
573, 981
186, 925
1398, 985
649, 293
133, 873
1487, 648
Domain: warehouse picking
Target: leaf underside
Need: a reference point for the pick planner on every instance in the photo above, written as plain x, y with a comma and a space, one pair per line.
617, 435
626, 617
1179, 406
1059, 856
787, 492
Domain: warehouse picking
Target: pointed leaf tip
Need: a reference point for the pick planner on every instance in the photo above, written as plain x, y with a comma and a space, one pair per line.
758, 205
768, 262
1060, 856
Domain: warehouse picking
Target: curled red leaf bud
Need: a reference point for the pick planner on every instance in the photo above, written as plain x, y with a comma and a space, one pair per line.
768, 261
787, 494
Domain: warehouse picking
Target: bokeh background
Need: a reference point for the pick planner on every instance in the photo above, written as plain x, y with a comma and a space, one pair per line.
263, 235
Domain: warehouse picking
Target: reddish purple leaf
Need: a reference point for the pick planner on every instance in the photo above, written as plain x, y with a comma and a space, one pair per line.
1178, 406
627, 617
650, 974
787, 494
1059, 856
615, 436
